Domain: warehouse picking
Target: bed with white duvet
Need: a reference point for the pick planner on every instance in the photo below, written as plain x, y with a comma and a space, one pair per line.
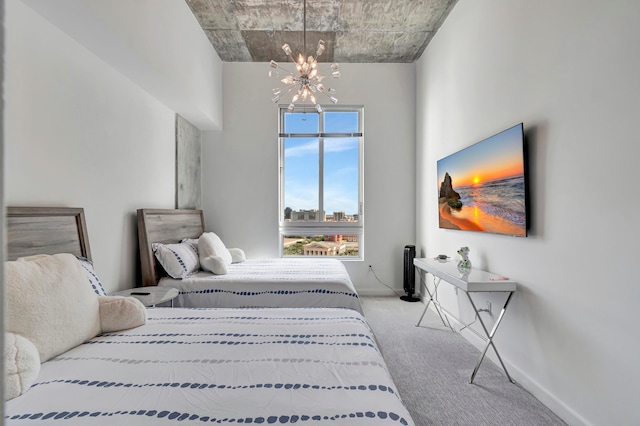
269, 283
221, 366
171, 254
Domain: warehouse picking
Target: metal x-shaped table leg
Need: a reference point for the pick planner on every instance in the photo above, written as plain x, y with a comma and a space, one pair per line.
433, 299
490, 336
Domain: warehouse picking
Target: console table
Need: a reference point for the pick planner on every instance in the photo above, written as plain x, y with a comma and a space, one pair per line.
476, 280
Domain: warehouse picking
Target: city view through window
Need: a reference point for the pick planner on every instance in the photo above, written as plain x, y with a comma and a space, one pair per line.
320, 245
320, 172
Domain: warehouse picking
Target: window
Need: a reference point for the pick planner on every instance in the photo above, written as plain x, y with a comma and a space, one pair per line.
321, 209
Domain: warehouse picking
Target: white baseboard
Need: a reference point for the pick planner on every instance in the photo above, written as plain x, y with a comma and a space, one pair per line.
379, 292
562, 410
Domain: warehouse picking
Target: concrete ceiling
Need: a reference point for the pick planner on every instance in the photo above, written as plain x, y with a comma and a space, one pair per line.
358, 31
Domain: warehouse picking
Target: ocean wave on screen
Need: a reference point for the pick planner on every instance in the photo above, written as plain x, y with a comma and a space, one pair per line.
503, 197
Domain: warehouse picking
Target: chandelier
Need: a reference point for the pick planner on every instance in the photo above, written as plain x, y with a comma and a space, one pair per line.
306, 81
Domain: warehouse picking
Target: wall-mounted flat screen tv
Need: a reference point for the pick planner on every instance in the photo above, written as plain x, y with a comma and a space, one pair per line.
483, 187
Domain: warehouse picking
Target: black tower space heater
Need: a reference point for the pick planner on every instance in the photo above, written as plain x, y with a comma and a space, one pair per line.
409, 283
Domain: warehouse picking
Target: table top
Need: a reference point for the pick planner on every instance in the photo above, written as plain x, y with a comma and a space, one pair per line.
476, 280
151, 295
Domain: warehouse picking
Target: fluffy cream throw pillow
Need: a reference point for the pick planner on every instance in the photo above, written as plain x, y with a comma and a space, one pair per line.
50, 303
121, 313
237, 255
21, 363
209, 244
215, 256
214, 264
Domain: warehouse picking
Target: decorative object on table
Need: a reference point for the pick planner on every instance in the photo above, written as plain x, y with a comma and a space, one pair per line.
464, 264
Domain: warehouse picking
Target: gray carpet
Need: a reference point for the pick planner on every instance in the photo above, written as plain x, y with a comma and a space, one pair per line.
431, 367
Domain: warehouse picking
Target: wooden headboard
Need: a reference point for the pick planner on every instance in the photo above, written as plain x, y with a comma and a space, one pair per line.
164, 226
46, 230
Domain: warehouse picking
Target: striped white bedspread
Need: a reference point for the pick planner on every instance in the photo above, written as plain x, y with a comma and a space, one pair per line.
221, 366
273, 283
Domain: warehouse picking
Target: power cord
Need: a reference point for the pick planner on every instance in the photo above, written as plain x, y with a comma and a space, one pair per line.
389, 287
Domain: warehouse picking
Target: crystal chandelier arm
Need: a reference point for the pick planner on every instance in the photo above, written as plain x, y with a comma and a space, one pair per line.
331, 98
280, 94
320, 48
276, 65
287, 51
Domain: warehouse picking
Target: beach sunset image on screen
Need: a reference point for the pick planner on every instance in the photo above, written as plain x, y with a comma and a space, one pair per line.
483, 187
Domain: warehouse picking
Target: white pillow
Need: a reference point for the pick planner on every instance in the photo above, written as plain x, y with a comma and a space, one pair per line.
86, 264
95, 282
121, 313
179, 260
21, 365
214, 264
210, 244
191, 241
237, 255
50, 303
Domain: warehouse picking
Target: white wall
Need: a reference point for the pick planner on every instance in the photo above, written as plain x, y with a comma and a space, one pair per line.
157, 44
240, 165
80, 133
568, 70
